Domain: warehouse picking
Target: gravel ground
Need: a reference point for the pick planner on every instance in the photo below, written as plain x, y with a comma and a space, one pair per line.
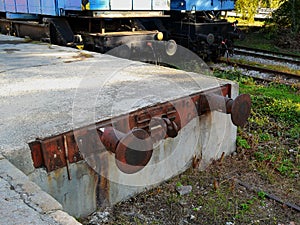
266, 61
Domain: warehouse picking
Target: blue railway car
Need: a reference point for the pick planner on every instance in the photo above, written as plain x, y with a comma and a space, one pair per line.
101, 25
62, 7
97, 24
201, 5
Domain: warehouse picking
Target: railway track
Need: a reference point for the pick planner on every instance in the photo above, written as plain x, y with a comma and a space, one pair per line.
282, 57
259, 73
264, 65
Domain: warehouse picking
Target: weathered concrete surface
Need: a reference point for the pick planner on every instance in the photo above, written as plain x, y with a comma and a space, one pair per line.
23, 202
46, 90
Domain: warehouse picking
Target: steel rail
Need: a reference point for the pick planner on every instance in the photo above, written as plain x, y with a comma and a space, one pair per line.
294, 56
263, 70
270, 57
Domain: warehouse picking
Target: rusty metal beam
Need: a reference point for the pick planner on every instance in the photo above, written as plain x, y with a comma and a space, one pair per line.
161, 121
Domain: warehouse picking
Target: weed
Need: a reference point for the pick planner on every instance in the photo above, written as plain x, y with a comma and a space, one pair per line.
265, 137
245, 208
275, 115
294, 132
262, 40
280, 68
137, 221
178, 184
286, 167
173, 198
241, 142
262, 195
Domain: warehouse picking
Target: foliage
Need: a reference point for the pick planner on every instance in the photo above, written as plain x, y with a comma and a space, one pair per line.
241, 142
247, 8
287, 15
274, 4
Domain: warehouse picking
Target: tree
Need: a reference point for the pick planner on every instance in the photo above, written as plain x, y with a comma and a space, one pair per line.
247, 8
287, 15
273, 4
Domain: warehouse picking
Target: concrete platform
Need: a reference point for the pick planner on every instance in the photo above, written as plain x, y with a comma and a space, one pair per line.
46, 90
23, 202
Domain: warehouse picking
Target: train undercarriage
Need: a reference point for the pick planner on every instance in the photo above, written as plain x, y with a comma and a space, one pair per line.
202, 32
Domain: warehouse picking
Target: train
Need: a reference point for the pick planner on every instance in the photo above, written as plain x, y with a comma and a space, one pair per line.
102, 25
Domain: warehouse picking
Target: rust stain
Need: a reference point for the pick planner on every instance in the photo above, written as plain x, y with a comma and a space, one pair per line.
103, 185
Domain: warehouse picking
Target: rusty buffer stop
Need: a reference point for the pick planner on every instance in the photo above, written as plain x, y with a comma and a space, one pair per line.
148, 124
131, 137
111, 159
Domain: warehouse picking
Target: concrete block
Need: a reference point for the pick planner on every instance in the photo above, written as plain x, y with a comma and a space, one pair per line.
9, 172
63, 218
78, 195
30, 188
21, 158
45, 201
62, 94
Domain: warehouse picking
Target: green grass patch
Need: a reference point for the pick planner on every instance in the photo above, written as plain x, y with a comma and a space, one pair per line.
280, 102
259, 41
264, 40
273, 129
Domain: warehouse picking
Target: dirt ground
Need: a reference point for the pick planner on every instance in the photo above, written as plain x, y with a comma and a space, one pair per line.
230, 191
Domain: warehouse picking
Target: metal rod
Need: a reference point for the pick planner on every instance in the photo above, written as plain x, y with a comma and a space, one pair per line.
67, 159
269, 196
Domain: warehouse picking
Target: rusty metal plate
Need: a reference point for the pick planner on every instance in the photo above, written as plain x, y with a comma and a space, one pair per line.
54, 153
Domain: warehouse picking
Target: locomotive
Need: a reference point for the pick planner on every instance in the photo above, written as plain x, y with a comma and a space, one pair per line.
198, 25
102, 25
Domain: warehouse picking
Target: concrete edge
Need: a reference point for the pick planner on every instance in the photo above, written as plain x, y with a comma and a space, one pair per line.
36, 198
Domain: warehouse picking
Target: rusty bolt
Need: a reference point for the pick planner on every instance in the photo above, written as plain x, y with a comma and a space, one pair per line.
172, 128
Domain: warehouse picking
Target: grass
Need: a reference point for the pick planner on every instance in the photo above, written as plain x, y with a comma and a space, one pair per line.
259, 41
274, 125
263, 39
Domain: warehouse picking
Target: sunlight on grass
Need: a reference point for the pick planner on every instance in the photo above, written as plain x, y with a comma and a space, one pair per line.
245, 22
274, 126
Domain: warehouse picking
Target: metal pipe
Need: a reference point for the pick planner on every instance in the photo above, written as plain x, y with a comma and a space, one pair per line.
239, 108
132, 151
